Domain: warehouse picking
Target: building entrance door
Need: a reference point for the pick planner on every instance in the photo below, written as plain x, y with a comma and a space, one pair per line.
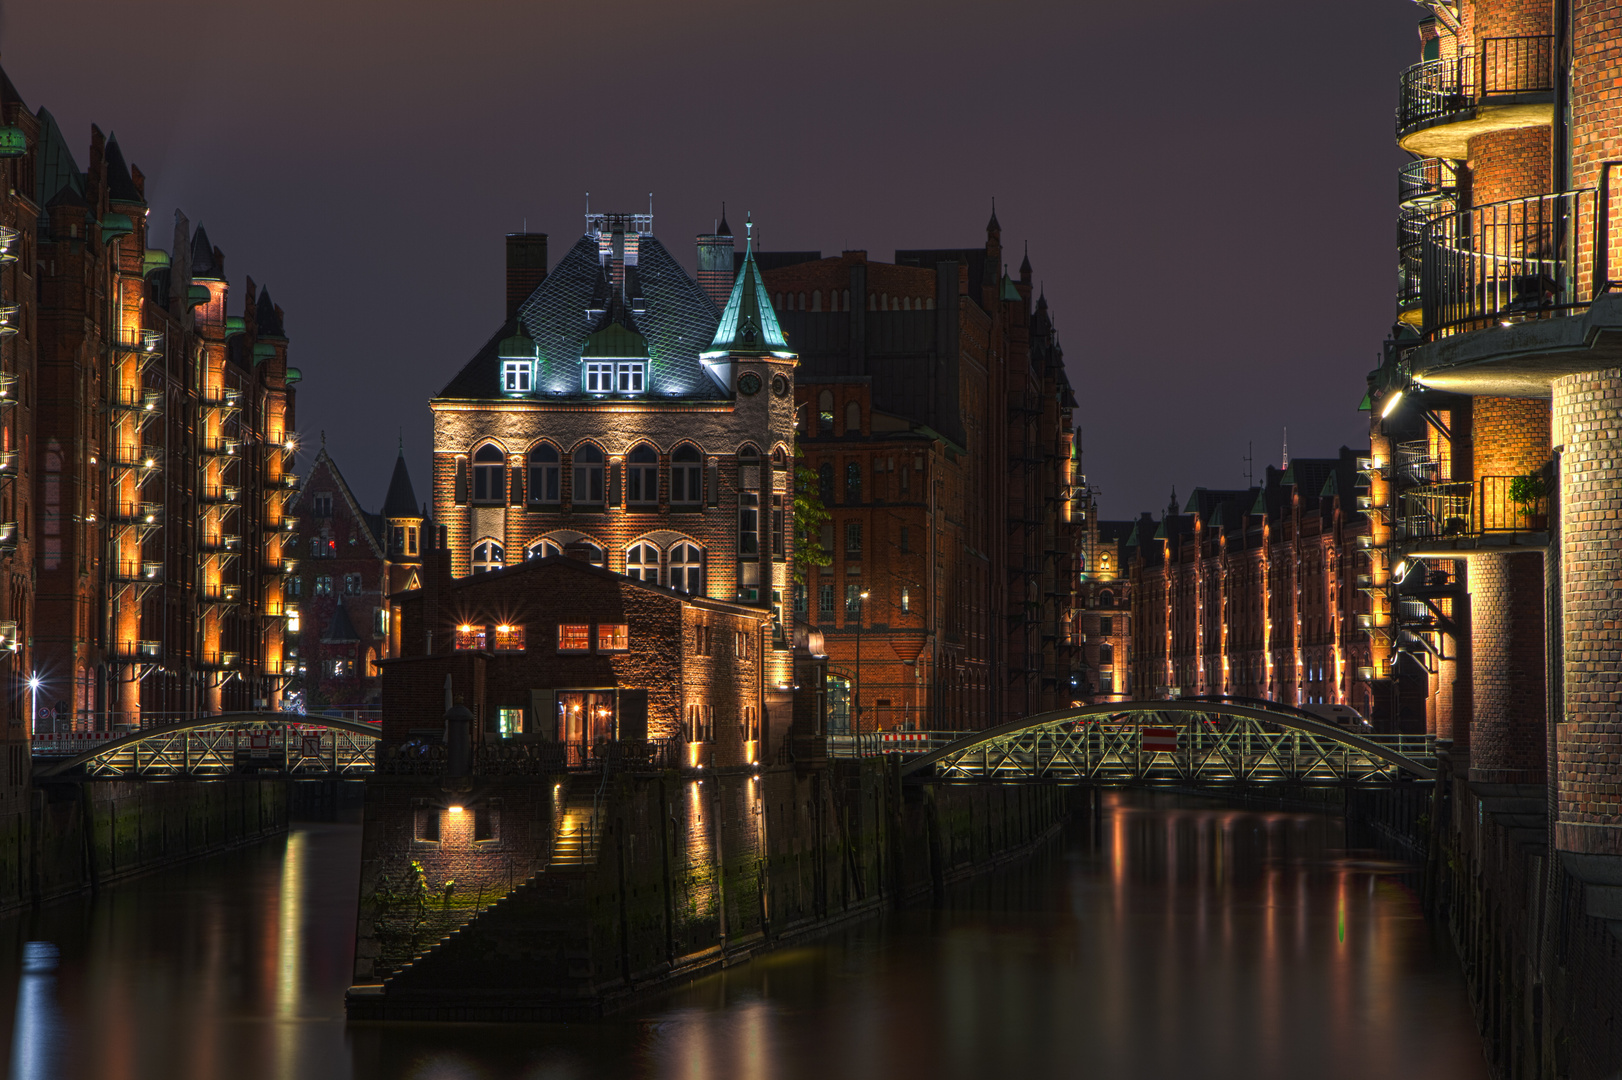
586, 716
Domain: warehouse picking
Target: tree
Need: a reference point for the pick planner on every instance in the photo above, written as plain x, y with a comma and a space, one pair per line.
809, 518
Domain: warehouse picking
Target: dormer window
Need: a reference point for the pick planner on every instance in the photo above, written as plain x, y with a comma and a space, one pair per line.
516, 376
629, 376
599, 378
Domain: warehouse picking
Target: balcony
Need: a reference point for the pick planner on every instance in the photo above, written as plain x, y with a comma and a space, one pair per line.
8, 536
221, 593
224, 399
8, 236
128, 456
148, 343
8, 463
137, 650
278, 567
137, 400
8, 319
138, 513
219, 544
221, 448
219, 661
1427, 180
1508, 262
218, 494
138, 573
1442, 104
1494, 511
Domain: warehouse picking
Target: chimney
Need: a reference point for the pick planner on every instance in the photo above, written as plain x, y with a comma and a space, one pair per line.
716, 262
526, 267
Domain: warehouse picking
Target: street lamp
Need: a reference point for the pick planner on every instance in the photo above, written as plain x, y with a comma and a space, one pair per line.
856, 704
33, 699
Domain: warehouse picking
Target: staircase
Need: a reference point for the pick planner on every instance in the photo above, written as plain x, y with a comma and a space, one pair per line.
575, 846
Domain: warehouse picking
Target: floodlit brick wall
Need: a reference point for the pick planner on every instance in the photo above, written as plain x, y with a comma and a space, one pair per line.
1511, 435
1589, 742
1506, 617
1509, 164
1595, 98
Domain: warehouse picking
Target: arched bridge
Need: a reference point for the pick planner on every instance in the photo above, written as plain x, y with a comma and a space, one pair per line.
231, 743
1190, 742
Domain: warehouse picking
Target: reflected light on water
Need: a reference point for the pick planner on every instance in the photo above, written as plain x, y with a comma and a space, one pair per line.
37, 1034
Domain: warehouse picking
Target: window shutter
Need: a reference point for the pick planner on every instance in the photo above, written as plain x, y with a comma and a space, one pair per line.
461, 482
613, 484
543, 715
633, 714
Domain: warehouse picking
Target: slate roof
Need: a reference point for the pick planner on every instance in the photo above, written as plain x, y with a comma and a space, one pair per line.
748, 324
341, 631
54, 167
678, 323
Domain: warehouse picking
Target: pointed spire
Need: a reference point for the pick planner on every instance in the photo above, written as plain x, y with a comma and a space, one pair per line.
994, 226
748, 323
1025, 265
120, 184
267, 317
205, 261
401, 501
723, 229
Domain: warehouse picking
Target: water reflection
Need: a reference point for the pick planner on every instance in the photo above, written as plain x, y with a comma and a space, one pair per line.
1166, 938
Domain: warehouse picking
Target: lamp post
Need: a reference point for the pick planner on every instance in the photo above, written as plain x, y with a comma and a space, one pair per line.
856, 702
33, 700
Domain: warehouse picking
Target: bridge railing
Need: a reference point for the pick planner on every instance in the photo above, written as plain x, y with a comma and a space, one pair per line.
538, 758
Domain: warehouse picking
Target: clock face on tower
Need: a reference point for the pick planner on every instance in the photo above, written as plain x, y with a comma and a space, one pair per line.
780, 385
749, 383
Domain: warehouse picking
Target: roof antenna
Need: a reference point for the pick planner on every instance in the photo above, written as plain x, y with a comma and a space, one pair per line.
1286, 463
402, 440
588, 213
748, 229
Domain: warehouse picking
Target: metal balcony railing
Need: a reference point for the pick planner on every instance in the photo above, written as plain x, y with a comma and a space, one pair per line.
137, 400
138, 572
137, 650
138, 513
8, 318
221, 593
222, 448
219, 544
1426, 180
216, 494
1469, 509
1507, 262
128, 456
137, 340
8, 463
221, 398
8, 236
1507, 66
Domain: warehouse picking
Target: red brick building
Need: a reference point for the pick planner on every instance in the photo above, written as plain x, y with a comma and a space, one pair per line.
935, 411
1102, 626
351, 562
557, 650
1254, 593
156, 429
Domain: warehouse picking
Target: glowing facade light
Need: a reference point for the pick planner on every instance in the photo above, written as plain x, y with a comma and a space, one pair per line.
455, 809
1391, 403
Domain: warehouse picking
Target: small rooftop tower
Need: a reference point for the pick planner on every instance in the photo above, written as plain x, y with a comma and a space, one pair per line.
716, 261
401, 515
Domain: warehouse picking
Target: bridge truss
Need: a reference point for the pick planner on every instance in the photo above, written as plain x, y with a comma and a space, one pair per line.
1178, 742
232, 743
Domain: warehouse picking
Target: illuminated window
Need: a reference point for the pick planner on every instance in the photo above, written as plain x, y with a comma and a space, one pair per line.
642, 476
906, 601
293, 623
488, 555
801, 601
542, 549
700, 723
343, 669
628, 377
380, 622
599, 378
515, 376
509, 638
574, 637
510, 721
588, 476
686, 476
642, 563
323, 585
544, 475
853, 599
687, 568
470, 638
613, 637
351, 584
748, 523
489, 475
825, 413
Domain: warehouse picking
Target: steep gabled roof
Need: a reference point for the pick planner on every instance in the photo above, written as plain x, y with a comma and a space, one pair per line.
267, 318
54, 167
677, 319
373, 523
204, 262
120, 184
341, 630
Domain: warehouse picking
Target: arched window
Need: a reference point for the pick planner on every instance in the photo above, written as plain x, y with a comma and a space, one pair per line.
825, 483
748, 454
1106, 599
488, 555
816, 299
844, 299
642, 563
489, 474
642, 476
777, 301
1106, 655
853, 482
542, 549
906, 303
853, 418
593, 552
686, 476
545, 480
825, 413
588, 476
802, 301
929, 303
687, 568
779, 458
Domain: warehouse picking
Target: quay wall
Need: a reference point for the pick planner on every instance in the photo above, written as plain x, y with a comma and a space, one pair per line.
689, 875
72, 836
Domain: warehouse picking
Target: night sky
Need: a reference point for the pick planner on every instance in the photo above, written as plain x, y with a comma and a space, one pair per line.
1207, 188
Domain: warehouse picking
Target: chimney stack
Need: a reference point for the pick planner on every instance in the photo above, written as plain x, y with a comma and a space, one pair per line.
716, 262
526, 267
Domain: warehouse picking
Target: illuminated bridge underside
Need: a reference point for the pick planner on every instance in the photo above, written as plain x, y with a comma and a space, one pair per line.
1215, 744
232, 743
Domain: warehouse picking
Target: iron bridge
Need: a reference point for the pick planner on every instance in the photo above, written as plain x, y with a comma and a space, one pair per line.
231, 743
1179, 742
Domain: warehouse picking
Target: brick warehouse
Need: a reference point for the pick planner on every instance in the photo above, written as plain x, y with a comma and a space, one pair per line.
1495, 518
620, 413
154, 447
353, 560
935, 411
1254, 593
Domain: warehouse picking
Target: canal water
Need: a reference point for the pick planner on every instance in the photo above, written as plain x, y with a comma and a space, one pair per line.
1168, 938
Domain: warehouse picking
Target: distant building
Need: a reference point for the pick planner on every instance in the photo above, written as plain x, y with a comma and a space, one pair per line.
1102, 626
352, 562
935, 412
1254, 592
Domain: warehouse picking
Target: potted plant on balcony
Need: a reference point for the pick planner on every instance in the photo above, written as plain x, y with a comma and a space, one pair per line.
1527, 493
